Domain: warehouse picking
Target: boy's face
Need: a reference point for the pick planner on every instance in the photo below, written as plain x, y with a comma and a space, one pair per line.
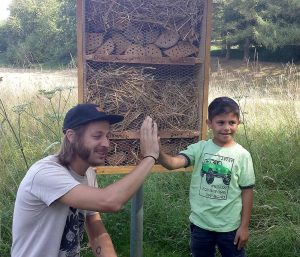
224, 127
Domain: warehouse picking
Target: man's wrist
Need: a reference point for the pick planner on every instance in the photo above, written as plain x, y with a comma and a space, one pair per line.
150, 156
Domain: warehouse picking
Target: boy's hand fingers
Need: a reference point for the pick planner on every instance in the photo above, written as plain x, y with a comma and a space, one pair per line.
241, 243
236, 239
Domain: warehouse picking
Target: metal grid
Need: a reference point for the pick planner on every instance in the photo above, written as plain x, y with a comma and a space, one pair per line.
170, 93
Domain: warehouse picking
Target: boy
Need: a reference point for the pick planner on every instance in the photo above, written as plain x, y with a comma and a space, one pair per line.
221, 189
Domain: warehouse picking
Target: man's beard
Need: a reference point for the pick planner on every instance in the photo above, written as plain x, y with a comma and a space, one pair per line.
85, 153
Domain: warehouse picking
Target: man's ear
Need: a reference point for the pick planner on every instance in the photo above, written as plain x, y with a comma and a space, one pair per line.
208, 123
70, 134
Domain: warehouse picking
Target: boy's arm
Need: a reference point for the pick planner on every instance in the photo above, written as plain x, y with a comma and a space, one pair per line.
172, 162
99, 239
242, 233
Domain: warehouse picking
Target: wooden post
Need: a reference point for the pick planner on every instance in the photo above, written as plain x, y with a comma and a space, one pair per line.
205, 54
136, 227
80, 49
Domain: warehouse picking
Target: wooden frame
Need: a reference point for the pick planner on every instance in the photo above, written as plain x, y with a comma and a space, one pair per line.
202, 61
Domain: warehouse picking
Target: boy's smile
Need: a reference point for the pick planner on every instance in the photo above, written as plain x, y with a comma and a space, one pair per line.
224, 127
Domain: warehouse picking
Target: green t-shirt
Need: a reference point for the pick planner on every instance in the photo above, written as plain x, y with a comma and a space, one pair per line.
219, 174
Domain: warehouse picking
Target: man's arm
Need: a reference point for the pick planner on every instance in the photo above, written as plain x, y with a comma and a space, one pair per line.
99, 239
112, 197
242, 233
172, 162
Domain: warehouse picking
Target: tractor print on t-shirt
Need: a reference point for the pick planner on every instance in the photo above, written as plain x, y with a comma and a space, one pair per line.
213, 168
215, 176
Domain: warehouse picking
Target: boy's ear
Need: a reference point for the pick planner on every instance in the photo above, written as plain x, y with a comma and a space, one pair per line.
70, 134
208, 123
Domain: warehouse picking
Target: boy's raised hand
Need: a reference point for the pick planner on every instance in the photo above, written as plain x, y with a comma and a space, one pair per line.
149, 139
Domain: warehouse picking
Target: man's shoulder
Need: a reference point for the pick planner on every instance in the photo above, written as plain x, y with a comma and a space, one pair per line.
46, 164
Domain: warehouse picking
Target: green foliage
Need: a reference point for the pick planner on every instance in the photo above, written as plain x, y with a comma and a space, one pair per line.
166, 211
26, 137
39, 32
280, 25
66, 25
267, 23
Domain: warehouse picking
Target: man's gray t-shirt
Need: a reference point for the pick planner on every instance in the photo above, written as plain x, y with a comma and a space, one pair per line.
43, 226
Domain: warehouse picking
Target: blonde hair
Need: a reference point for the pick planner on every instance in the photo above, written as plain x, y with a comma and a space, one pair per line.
68, 149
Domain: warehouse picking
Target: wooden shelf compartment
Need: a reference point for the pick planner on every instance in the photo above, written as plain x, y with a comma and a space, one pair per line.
135, 134
143, 60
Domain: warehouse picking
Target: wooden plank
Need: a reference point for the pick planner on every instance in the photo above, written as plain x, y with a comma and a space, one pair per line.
135, 134
206, 66
106, 170
143, 60
80, 49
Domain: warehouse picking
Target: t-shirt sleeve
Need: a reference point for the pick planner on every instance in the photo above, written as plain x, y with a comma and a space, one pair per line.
247, 175
192, 151
51, 182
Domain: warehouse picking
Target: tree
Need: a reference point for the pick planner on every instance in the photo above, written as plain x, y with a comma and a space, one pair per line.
280, 26
268, 23
66, 36
39, 31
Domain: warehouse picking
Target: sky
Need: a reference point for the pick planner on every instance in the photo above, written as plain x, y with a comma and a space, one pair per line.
3, 9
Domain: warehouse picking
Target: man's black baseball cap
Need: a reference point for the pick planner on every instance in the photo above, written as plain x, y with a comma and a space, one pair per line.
85, 113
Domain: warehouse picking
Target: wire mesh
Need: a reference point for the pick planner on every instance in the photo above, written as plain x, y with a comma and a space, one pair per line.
170, 93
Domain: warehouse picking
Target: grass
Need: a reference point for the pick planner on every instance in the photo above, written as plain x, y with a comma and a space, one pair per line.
270, 99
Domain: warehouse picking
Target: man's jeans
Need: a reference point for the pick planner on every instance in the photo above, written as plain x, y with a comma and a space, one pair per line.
203, 243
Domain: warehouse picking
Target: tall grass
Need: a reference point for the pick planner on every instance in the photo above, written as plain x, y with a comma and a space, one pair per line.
32, 106
270, 130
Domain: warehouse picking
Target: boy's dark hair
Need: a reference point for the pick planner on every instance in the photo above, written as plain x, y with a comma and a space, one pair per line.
221, 105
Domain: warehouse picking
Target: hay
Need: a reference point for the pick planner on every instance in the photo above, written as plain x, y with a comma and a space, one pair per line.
143, 29
135, 93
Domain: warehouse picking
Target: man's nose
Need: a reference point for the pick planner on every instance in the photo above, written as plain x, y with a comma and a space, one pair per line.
105, 142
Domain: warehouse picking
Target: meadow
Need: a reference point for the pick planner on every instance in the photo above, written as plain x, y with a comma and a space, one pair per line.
32, 106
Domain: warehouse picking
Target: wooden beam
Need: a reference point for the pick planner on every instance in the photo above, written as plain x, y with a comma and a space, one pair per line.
106, 170
135, 134
143, 60
80, 49
206, 66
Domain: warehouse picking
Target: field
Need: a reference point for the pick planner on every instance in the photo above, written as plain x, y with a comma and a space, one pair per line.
32, 106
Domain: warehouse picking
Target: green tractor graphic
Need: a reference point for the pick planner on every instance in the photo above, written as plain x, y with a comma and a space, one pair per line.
213, 168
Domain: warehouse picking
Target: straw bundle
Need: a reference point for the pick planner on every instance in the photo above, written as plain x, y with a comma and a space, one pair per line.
134, 92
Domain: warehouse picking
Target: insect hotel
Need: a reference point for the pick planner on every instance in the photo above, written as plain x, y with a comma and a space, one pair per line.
139, 58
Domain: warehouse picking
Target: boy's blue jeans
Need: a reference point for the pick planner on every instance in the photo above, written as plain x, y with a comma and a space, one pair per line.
203, 243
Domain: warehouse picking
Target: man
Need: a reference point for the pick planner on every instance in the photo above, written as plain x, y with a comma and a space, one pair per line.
51, 203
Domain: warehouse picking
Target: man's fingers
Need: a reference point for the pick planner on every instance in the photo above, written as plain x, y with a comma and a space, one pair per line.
147, 123
154, 129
